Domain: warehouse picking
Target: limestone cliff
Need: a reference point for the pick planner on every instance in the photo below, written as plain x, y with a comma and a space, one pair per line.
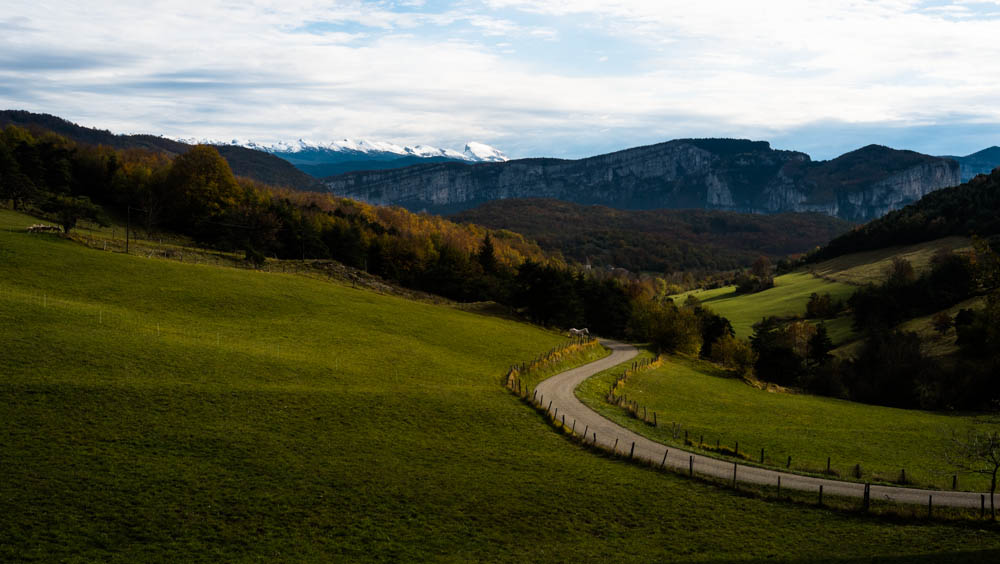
735, 175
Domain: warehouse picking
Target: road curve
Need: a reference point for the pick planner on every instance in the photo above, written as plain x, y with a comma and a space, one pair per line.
559, 390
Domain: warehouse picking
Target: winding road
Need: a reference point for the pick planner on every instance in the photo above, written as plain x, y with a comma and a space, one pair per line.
559, 390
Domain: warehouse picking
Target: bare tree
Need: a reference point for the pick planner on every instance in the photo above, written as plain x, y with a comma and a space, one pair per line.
979, 453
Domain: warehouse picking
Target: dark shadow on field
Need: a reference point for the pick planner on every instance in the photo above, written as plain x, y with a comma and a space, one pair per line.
991, 556
732, 294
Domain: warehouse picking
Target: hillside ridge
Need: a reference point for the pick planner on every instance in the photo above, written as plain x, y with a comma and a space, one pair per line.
721, 174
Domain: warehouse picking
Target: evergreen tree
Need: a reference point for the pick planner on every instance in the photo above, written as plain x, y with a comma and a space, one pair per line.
820, 346
487, 255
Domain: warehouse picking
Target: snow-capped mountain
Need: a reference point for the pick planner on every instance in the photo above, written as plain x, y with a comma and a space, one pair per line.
474, 152
322, 159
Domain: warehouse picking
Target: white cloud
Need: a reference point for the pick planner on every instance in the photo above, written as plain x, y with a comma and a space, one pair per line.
267, 69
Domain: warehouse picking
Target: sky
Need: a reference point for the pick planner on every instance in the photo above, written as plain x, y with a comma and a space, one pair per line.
560, 78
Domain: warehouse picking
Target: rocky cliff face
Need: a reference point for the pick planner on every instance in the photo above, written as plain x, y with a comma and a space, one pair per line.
730, 175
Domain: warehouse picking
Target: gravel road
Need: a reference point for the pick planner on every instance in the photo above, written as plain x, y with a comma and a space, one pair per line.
560, 388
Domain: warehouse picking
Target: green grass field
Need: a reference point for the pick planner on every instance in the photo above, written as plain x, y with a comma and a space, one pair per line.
808, 428
788, 298
155, 411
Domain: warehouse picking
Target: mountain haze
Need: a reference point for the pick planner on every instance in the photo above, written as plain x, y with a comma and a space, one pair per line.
981, 162
722, 174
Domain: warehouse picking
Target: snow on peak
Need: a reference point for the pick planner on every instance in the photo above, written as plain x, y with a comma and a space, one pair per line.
485, 153
474, 152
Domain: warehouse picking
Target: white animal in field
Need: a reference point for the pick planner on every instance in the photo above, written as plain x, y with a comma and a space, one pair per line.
40, 228
579, 332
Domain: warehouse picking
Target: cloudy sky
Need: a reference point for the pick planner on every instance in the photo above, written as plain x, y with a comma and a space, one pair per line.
566, 78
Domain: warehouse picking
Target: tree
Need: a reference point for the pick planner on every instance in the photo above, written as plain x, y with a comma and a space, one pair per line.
735, 354
979, 453
70, 209
900, 273
487, 255
713, 328
762, 268
777, 360
822, 306
820, 346
891, 369
202, 185
942, 322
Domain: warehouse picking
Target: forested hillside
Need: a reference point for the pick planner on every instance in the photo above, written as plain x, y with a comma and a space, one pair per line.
258, 165
657, 240
972, 208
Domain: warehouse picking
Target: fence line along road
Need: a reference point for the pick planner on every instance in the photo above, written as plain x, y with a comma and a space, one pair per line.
559, 390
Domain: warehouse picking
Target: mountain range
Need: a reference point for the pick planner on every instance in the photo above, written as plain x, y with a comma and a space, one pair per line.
723, 174
347, 155
720, 174
982, 162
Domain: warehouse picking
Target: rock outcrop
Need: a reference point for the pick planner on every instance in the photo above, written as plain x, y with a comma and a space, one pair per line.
725, 174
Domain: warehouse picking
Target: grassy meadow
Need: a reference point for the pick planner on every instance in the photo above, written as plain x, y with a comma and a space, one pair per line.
883, 440
788, 298
154, 411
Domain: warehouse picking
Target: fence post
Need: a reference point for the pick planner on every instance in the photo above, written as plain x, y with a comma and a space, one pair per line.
737, 454
654, 419
534, 396
734, 475
615, 448
631, 452
585, 433
821, 494
930, 505
789, 465
595, 438
549, 407
762, 456
866, 500
573, 430
664, 461
954, 482
691, 466
828, 465
779, 485
982, 505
